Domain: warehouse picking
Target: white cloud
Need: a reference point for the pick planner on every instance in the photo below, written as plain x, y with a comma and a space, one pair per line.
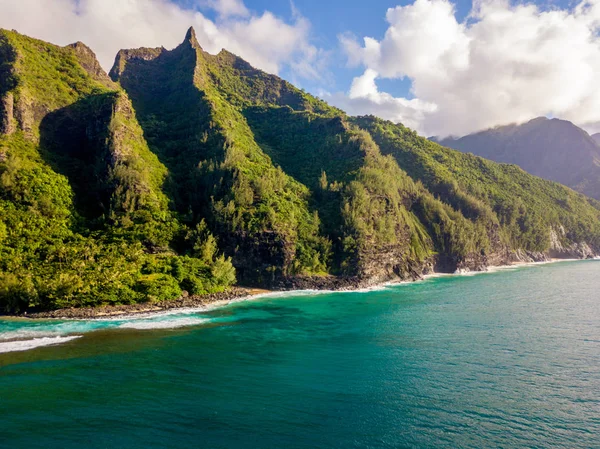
505, 64
107, 26
228, 8
365, 98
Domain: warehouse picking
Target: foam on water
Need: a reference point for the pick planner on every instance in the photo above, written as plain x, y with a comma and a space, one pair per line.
23, 335
163, 324
26, 345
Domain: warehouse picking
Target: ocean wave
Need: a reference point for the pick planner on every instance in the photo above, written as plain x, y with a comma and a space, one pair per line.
26, 334
26, 345
162, 324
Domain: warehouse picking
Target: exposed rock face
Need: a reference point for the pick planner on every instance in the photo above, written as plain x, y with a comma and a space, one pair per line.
390, 263
7, 120
118, 149
558, 250
145, 54
190, 38
27, 113
87, 59
260, 258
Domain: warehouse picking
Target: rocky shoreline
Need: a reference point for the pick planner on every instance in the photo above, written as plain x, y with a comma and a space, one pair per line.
221, 298
285, 284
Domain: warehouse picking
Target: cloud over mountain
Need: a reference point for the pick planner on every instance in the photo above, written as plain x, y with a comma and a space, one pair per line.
504, 63
265, 40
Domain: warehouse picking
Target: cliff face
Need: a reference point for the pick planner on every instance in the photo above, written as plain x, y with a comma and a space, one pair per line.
81, 195
550, 148
129, 188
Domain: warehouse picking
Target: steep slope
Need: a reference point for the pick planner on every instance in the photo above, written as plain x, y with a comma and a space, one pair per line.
533, 214
214, 120
217, 170
225, 129
550, 148
596, 137
81, 199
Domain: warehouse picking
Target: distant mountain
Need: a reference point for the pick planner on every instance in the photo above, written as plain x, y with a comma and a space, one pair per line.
185, 172
549, 148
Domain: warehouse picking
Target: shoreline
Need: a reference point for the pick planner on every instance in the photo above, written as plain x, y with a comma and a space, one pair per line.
200, 302
236, 294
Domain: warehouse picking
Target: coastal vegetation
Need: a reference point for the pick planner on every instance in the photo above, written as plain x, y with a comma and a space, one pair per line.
189, 172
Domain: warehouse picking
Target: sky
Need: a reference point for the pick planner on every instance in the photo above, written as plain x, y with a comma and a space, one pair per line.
440, 67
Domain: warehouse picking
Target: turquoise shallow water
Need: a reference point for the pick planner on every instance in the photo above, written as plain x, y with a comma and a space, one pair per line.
507, 359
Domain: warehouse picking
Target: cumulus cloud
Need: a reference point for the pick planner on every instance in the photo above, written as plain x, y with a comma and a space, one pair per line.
504, 64
228, 7
365, 98
264, 40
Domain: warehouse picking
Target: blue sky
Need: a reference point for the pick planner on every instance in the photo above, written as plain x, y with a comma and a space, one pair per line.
329, 19
418, 62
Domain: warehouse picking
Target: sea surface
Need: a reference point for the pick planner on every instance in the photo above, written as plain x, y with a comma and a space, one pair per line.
507, 359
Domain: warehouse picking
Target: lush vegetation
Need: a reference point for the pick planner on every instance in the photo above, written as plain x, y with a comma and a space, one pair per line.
187, 165
525, 206
218, 172
83, 218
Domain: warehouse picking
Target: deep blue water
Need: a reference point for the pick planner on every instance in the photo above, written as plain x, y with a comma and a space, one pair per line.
507, 359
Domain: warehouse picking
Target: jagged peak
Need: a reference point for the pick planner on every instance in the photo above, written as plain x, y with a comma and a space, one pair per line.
80, 46
123, 56
235, 60
87, 59
190, 38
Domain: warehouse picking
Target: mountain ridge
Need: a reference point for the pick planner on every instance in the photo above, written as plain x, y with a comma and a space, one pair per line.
554, 149
179, 166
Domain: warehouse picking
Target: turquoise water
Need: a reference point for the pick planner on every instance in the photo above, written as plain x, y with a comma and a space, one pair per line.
506, 359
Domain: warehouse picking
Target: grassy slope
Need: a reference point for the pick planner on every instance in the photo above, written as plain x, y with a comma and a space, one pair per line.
80, 193
488, 206
526, 206
373, 212
369, 207
217, 169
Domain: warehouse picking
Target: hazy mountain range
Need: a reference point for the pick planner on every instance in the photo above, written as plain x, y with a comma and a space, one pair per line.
550, 148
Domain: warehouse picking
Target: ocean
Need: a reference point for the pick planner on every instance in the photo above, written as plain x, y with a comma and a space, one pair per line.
508, 358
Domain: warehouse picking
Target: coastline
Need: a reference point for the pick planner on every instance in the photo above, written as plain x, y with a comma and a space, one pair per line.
200, 302
239, 294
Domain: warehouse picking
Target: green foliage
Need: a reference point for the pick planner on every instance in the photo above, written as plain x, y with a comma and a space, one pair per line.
218, 171
43, 77
158, 287
524, 206
368, 205
82, 208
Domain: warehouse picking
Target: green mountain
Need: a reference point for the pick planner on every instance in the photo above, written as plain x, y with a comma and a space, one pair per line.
550, 148
184, 171
83, 216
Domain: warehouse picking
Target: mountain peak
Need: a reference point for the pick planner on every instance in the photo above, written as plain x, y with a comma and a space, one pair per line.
87, 59
541, 119
190, 37
550, 148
